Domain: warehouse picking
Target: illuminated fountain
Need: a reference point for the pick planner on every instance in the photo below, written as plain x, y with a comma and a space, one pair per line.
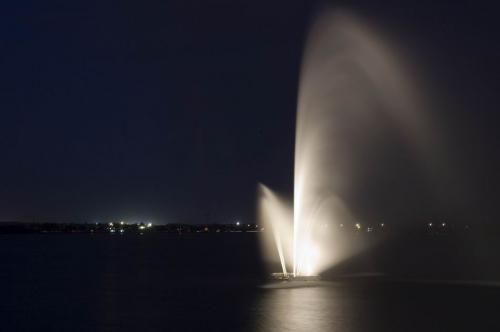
351, 81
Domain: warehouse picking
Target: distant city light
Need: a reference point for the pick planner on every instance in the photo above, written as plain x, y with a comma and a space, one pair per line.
430, 224
142, 227
341, 225
443, 224
358, 226
122, 230
110, 224
382, 224
121, 222
150, 224
237, 223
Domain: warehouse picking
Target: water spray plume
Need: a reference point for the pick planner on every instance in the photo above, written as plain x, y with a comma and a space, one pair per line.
351, 83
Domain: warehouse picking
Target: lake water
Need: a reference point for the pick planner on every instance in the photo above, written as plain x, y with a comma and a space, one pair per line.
208, 282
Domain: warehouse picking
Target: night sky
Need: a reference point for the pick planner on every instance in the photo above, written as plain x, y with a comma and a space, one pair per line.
173, 111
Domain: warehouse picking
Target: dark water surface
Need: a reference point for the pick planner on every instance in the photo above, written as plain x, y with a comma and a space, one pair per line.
199, 282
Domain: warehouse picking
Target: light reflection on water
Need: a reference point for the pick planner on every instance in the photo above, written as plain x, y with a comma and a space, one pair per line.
304, 309
79, 283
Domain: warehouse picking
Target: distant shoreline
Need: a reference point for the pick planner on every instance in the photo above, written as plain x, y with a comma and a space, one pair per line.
122, 228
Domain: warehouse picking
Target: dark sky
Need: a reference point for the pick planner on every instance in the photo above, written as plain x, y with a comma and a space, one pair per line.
174, 110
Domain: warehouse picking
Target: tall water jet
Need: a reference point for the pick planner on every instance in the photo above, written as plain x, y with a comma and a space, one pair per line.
350, 83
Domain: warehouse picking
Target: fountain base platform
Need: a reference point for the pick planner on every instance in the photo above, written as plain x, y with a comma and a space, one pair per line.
291, 277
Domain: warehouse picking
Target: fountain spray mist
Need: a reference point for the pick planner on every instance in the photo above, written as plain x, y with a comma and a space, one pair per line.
350, 82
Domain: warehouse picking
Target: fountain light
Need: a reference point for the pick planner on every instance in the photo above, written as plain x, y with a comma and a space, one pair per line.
348, 74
